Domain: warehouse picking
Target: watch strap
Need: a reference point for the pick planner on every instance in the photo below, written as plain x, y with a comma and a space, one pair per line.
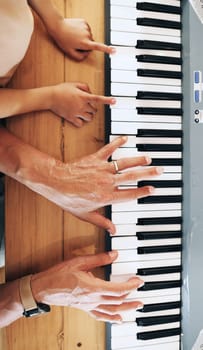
26, 295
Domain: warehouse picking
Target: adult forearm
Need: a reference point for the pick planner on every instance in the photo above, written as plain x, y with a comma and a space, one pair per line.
21, 161
10, 304
14, 101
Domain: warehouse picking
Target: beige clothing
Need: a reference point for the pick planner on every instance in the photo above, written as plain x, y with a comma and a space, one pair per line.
16, 27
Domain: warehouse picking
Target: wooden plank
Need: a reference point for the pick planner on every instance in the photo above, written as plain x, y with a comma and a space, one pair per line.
38, 233
82, 238
34, 226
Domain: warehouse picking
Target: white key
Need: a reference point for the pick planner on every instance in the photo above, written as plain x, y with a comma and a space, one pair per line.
132, 51
151, 278
130, 26
124, 268
125, 76
134, 140
132, 255
133, 152
132, 341
131, 230
124, 62
132, 242
172, 169
167, 346
118, 37
163, 176
132, 128
162, 277
128, 328
130, 89
132, 217
153, 293
133, 206
147, 103
132, 13
131, 315
133, 3
130, 115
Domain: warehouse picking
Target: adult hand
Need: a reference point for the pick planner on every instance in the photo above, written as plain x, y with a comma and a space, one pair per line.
75, 103
71, 283
83, 186
74, 37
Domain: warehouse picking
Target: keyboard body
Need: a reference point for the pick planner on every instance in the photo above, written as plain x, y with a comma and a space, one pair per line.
183, 179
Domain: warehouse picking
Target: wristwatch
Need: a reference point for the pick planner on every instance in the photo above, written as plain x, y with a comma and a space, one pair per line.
31, 307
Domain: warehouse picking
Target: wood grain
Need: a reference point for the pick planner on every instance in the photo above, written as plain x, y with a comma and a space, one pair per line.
38, 233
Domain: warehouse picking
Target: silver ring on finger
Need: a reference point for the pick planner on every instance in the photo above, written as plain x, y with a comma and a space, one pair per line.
115, 163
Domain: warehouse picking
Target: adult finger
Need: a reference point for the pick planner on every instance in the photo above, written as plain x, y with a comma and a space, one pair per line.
101, 316
114, 309
98, 219
89, 262
125, 163
121, 195
106, 151
118, 288
139, 174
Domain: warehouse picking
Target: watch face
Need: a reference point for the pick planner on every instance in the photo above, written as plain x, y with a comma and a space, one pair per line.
41, 309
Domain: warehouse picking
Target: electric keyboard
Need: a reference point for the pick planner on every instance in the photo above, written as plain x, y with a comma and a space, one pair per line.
155, 76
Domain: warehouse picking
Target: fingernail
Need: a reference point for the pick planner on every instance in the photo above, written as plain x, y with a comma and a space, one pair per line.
113, 254
141, 283
148, 160
139, 306
151, 189
110, 231
113, 101
159, 170
113, 50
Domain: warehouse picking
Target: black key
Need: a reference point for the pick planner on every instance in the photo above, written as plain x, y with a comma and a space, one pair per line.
160, 199
160, 285
161, 306
151, 321
159, 148
159, 249
153, 73
148, 271
159, 334
148, 6
160, 221
159, 133
167, 161
159, 59
159, 111
159, 23
142, 236
158, 45
150, 95
161, 183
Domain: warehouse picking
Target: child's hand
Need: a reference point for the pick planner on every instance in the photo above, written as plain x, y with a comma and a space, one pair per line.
75, 38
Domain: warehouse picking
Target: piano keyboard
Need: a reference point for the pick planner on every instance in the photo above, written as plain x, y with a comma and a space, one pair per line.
145, 76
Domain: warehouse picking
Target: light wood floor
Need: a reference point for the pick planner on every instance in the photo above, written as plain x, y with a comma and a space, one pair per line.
38, 233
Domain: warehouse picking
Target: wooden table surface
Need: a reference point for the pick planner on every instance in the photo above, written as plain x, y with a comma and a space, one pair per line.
38, 233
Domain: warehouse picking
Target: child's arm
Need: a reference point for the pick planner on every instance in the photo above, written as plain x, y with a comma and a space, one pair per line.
73, 36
